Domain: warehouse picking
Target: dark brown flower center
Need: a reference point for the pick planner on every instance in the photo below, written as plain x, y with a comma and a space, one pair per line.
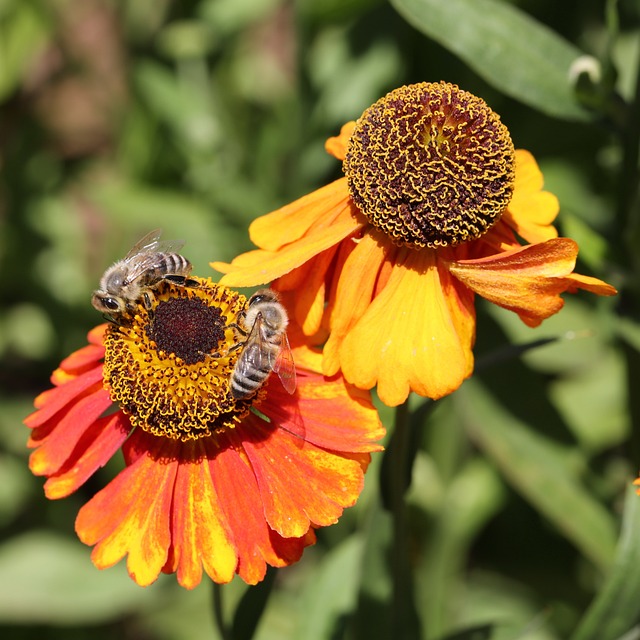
169, 367
187, 327
430, 165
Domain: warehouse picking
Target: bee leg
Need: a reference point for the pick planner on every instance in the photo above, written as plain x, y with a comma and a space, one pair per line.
148, 298
182, 281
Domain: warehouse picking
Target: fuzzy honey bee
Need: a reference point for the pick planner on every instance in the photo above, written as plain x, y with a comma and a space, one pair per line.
132, 280
266, 347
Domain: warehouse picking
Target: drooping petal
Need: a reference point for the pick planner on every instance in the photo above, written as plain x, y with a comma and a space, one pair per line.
355, 290
94, 449
306, 305
131, 515
331, 482
200, 534
417, 334
531, 211
527, 280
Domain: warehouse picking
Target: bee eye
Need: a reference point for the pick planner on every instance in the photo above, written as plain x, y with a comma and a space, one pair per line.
111, 304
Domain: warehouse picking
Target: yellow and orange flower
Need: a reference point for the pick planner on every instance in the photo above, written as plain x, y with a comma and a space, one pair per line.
209, 481
386, 261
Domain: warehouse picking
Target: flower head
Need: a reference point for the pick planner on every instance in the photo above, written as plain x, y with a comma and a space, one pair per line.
231, 485
436, 207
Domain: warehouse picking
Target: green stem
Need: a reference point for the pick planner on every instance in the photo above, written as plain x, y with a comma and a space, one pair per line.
402, 580
218, 615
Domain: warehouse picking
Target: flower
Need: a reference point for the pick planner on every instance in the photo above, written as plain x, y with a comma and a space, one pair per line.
432, 210
209, 481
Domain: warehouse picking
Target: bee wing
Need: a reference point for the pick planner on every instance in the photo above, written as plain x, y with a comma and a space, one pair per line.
285, 367
253, 355
151, 243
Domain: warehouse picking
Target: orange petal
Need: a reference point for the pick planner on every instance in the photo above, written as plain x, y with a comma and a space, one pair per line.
319, 208
527, 280
260, 267
96, 447
131, 515
353, 295
199, 529
312, 488
531, 211
416, 335
337, 146
308, 285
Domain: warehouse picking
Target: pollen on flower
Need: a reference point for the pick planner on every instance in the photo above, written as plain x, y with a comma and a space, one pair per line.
430, 165
169, 369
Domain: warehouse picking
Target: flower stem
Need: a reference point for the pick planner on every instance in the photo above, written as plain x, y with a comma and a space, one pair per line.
218, 615
403, 611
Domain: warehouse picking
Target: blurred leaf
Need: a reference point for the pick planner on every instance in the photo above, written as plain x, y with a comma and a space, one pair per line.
16, 486
615, 610
482, 632
472, 498
582, 336
47, 579
331, 596
509, 49
538, 469
23, 33
593, 402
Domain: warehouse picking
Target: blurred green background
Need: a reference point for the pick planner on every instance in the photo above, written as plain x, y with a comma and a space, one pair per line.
117, 117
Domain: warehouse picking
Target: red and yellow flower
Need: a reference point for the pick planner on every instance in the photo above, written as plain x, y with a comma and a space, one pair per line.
209, 481
436, 206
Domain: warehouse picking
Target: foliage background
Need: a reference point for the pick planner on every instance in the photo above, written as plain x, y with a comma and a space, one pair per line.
117, 117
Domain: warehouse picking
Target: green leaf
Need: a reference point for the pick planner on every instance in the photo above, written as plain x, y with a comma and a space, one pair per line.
615, 610
509, 49
57, 575
538, 468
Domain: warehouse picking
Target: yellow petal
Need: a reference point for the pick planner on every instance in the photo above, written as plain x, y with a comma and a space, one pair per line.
416, 335
531, 211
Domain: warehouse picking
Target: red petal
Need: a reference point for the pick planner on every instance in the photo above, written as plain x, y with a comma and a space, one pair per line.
300, 485
57, 441
94, 449
256, 544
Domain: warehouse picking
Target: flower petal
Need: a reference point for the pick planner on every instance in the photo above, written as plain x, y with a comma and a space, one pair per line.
57, 440
416, 334
300, 484
527, 280
256, 544
94, 449
259, 267
337, 145
531, 211
131, 515
317, 210
353, 295
326, 412
199, 530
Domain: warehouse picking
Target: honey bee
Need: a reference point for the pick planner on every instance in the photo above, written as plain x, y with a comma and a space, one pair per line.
131, 280
266, 348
